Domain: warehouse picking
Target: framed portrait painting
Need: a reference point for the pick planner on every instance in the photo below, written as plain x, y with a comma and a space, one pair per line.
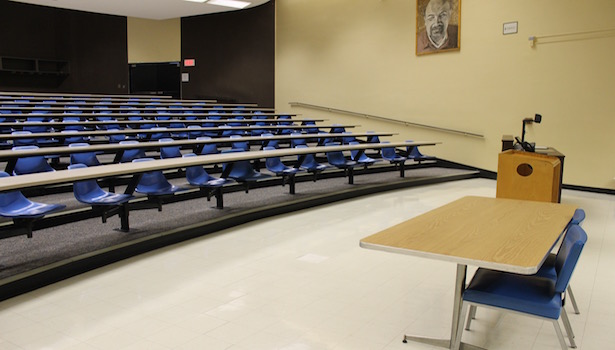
437, 26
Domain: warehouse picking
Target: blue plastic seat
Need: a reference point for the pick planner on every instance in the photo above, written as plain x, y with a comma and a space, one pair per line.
196, 133
389, 154
154, 184
311, 129
536, 296
72, 136
239, 144
116, 137
360, 157
167, 152
269, 143
275, 165
198, 176
372, 138
85, 158
208, 148
162, 132
128, 155
337, 129
107, 203
310, 164
30, 165
349, 138
416, 155
242, 171
22, 141
297, 139
24, 212
337, 159
282, 120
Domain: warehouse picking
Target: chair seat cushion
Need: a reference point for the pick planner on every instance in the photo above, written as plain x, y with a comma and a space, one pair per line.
528, 294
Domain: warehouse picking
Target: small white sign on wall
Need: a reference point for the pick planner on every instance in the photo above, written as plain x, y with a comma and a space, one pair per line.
185, 77
510, 28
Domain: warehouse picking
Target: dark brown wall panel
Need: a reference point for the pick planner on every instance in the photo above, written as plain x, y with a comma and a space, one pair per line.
235, 55
94, 45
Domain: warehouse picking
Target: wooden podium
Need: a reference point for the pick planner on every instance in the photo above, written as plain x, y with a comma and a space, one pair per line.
528, 175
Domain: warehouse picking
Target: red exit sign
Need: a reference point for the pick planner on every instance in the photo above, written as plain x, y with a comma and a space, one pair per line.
189, 62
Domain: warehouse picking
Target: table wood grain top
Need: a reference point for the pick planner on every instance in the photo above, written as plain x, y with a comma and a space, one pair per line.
502, 234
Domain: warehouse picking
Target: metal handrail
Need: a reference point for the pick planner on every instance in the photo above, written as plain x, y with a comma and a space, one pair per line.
384, 119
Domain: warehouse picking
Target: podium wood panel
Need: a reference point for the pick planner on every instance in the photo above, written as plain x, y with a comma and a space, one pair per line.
529, 176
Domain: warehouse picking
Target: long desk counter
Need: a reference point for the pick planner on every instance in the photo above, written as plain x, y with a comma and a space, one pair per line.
68, 176
11, 156
92, 123
218, 130
132, 114
49, 107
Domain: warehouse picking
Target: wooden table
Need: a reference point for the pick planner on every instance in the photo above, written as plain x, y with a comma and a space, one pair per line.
496, 233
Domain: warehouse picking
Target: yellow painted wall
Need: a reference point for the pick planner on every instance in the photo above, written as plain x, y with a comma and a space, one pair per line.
151, 41
360, 56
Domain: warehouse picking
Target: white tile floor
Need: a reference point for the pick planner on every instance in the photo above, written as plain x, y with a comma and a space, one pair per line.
300, 281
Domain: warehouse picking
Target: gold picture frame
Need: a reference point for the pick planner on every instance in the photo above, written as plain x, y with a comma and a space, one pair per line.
438, 24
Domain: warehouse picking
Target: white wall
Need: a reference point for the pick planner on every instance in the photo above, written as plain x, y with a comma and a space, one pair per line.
360, 56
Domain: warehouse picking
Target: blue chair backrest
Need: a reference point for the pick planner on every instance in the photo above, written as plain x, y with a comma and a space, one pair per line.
241, 169
153, 181
568, 255
269, 143
86, 158
11, 200
309, 161
243, 145
388, 152
335, 157
167, 152
196, 174
85, 190
578, 217
30, 165
273, 164
355, 152
372, 138
297, 139
131, 154
208, 148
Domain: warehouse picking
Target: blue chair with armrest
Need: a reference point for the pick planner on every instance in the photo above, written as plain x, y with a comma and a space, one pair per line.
24, 212
528, 294
106, 203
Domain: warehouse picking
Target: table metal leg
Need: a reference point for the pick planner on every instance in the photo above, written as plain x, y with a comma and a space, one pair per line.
460, 285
